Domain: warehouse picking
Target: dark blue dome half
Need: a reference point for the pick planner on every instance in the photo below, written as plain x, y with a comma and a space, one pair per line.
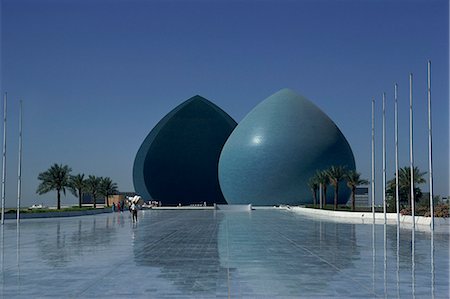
178, 160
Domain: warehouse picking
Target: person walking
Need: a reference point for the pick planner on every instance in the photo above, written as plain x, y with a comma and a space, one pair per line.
134, 212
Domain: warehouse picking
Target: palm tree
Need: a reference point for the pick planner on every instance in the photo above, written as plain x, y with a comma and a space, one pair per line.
78, 186
107, 188
336, 174
354, 179
93, 187
55, 178
314, 186
404, 183
322, 180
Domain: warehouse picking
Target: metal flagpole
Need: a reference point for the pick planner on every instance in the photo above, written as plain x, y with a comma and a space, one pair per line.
373, 159
397, 191
19, 172
4, 158
411, 153
384, 156
430, 158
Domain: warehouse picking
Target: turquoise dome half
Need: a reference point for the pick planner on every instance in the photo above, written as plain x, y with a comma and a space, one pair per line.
274, 151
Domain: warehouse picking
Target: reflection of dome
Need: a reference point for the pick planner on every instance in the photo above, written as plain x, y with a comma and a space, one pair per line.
177, 162
280, 254
277, 148
187, 258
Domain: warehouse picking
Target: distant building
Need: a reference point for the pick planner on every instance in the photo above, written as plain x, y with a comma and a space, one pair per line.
87, 198
361, 197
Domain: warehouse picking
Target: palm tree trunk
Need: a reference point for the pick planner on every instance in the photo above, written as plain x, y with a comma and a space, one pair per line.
79, 198
336, 196
95, 201
59, 200
353, 198
315, 198
324, 196
106, 200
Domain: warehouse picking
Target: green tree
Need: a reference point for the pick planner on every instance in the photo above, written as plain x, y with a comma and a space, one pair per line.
93, 187
322, 179
404, 184
353, 179
55, 178
314, 186
335, 175
78, 186
107, 188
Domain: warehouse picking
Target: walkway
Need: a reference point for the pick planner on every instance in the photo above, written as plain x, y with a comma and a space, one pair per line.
204, 253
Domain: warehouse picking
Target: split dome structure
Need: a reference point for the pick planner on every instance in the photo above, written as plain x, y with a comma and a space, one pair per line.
196, 153
275, 150
177, 162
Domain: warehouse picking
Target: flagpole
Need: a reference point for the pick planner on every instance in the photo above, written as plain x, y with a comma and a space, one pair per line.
373, 159
19, 172
4, 158
384, 156
430, 153
397, 191
411, 152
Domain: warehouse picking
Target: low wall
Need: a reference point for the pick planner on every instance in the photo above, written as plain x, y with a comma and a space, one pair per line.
367, 218
182, 208
57, 214
234, 207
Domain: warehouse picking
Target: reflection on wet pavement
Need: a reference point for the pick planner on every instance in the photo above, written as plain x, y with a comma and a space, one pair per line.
179, 253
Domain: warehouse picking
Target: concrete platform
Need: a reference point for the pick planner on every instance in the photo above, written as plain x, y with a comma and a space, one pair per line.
267, 253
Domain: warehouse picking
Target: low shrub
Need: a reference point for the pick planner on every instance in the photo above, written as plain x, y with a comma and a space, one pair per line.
28, 211
440, 210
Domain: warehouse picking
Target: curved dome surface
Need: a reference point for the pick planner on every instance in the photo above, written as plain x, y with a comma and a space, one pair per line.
277, 148
178, 160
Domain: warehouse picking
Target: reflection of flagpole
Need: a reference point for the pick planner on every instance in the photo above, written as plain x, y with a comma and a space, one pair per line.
413, 263
4, 158
411, 153
432, 264
398, 261
373, 159
373, 256
384, 156
430, 153
397, 192
18, 254
385, 260
19, 172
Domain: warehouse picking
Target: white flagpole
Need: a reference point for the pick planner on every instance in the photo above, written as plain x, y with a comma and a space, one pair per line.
411, 152
384, 156
430, 153
397, 191
19, 172
4, 158
373, 159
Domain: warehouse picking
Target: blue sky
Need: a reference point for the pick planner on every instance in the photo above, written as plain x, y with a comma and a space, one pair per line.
96, 76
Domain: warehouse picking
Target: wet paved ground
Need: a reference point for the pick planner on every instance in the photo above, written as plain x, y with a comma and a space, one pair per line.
209, 254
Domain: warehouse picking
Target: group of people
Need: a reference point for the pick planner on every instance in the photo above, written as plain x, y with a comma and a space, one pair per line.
119, 207
131, 207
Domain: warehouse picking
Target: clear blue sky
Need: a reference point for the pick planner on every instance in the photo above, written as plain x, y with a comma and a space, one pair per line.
96, 75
